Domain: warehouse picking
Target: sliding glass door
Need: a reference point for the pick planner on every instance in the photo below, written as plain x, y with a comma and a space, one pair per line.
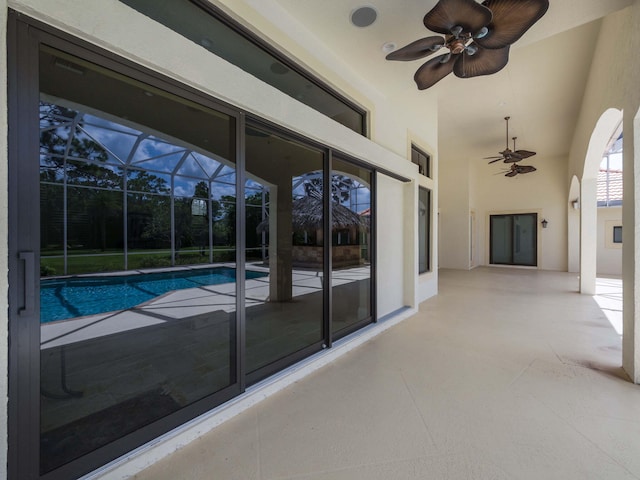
351, 286
137, 256
284, 195
166, 251
514, 239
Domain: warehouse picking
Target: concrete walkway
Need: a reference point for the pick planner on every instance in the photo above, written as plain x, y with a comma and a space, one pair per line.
506, 374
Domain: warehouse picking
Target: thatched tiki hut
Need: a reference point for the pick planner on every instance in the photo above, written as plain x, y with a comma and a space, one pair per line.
307, 221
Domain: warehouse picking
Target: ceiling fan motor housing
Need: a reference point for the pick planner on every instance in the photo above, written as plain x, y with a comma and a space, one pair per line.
478, 37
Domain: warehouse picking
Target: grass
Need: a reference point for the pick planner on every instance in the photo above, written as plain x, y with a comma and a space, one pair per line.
52, 262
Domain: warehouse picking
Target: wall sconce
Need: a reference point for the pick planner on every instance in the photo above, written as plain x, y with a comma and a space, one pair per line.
544, 223
576, 204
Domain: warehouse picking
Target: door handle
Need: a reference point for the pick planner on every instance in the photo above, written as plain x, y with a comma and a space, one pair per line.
29, 284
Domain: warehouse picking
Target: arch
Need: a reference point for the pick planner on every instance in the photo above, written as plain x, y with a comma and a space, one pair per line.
604, 128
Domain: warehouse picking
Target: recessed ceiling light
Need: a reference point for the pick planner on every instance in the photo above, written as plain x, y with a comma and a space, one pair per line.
364, 16
388, 47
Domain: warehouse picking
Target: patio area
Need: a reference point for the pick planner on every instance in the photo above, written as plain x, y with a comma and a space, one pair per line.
506, 374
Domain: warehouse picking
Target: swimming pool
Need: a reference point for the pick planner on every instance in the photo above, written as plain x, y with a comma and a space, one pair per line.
79, 296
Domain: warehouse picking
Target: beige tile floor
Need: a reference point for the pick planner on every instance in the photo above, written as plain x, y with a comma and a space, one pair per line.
506, 374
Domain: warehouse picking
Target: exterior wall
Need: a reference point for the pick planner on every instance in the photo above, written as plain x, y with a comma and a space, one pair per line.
391, 237
543, 191
113, 26
428, 281
609, 259
612, 83
453, 219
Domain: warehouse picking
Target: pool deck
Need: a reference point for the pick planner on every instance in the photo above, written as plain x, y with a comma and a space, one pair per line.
187, 303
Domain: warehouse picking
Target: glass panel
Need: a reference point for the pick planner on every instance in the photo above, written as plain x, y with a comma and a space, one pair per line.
51, 230
424, 225
514, 239
524, 239
148, 231
94, 231
501, 236
422, 160
90, 174
219, 38
120, 350
284, 240
617, 234
351, 241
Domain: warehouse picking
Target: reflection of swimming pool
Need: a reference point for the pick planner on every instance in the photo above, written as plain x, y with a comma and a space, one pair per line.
76, 297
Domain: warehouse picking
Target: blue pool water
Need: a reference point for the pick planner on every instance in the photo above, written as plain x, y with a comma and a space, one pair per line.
76, 297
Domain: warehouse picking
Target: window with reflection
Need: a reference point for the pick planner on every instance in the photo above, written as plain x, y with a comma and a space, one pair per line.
137, 297
284, 225
422, 160
351, 247
424, 230
138, 278
206, 26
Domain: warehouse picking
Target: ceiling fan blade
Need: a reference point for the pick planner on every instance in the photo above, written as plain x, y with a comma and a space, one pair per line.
496, 160
484, 62
493, 157
511, 19
418, 49
525, 153
512, 173
468, 14
433, 71
525, 168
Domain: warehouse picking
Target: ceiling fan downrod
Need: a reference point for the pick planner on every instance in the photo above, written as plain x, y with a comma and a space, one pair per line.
507, 136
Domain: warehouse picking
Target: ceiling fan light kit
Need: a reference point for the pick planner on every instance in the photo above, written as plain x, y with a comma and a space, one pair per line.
478, 37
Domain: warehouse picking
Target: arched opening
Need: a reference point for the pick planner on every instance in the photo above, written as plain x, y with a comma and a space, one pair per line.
602, 133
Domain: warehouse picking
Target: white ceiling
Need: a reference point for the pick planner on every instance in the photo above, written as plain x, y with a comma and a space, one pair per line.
541, 88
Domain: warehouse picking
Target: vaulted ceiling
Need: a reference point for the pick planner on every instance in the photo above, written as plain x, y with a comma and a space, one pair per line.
541, 88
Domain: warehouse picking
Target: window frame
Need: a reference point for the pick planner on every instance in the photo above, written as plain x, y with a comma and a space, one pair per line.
424, 168
425, 242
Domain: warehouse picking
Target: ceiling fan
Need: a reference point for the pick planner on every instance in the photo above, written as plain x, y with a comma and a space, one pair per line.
478, 37
508, 155
516, 169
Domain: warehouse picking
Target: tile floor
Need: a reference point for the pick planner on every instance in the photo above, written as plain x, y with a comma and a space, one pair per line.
506, 374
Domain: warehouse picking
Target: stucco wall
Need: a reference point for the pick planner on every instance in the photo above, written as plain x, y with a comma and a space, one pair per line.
472, 185
453, 237
613, 83
609, 258
543, 192
391, 236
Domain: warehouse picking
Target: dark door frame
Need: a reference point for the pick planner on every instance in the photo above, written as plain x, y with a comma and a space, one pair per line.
513, 239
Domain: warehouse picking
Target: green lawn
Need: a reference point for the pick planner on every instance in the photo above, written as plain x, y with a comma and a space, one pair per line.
52, 262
